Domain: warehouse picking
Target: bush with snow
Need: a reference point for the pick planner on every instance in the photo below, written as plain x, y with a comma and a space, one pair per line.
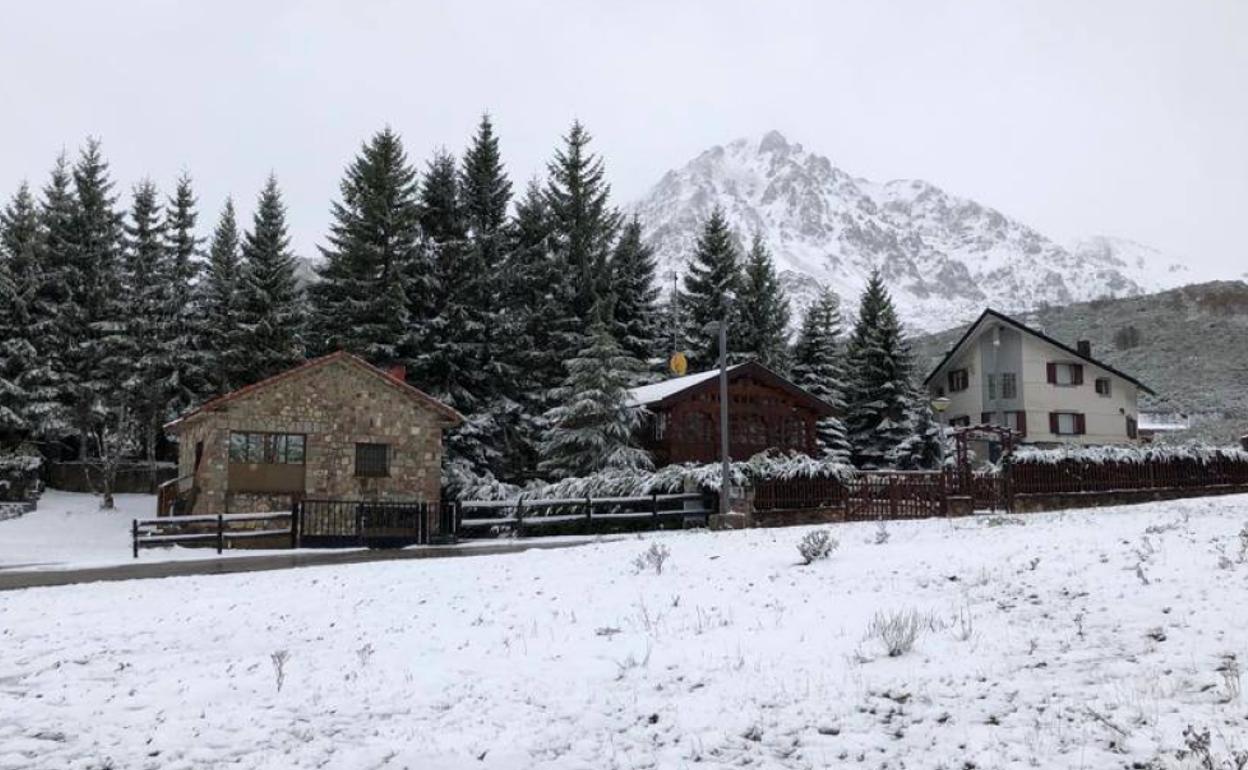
897, 631
1100, 455
653, 558
816, 546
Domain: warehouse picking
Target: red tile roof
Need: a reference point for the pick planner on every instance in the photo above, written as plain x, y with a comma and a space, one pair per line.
454, 417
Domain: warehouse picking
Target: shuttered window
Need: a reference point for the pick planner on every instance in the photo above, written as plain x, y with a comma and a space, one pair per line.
1065, 374
959, 379
1067, 424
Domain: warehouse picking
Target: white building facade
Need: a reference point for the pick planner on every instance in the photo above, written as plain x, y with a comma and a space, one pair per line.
1002, 372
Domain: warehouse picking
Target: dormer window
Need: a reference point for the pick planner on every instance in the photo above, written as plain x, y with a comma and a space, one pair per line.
1064, 374
1103, 386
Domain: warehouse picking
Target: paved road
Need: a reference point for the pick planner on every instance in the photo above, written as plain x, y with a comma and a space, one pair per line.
12, 580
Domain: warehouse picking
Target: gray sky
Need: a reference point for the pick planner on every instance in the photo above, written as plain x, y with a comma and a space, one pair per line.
1128, 118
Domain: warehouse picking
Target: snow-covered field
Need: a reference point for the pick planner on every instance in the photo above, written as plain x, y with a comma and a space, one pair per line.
69, 530
1076, 640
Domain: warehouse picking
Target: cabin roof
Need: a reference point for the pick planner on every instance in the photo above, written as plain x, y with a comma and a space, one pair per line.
1024, 328
417, 395
665, 393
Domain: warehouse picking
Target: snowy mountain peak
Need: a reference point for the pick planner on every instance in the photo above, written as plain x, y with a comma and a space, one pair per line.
945, 257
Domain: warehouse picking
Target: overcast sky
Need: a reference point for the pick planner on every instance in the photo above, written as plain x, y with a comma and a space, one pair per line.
1126, 118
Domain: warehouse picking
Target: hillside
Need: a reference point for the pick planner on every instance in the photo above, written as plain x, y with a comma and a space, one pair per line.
1189, 344
944, 256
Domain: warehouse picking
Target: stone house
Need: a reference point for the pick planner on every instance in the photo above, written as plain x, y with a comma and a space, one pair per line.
334, 427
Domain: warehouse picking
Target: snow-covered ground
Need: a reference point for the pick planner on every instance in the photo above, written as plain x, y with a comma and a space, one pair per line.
1086, 639
69, 530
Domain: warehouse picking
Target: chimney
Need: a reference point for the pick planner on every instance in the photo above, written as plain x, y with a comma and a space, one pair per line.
1084, 347
397, 371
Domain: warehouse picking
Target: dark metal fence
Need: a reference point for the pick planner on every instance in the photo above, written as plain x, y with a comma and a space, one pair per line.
345, 523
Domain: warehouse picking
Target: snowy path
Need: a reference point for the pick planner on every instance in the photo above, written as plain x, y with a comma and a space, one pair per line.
1083, 640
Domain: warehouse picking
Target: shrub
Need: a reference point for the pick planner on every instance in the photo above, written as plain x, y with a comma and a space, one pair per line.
653, 558
816, 545
897, 631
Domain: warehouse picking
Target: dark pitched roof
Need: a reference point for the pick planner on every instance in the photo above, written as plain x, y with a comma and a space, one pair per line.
453, 417
990, 313
665, 393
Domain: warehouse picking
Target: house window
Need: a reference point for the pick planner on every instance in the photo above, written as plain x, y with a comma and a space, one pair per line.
940, 392
1103, 386
1009, 385
960, 422
1133, 428
959, 379
992, 387
1065, 374
1067, 423
372, 460
1013, 420
267, 448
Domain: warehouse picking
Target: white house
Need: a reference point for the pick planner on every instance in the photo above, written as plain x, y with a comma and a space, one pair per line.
1002, 372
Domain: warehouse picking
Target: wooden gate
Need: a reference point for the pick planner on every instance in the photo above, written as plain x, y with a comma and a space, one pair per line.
900, 495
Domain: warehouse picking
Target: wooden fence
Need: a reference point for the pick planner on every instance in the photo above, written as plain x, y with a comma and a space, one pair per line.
1068, 476
583, 515
896, 495
217, 531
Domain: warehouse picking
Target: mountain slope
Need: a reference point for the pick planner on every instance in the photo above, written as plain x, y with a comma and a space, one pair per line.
944, 257
1186, 343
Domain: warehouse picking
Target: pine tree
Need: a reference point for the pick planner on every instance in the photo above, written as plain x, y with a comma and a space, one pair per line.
712, 288
98, 357
17, 354
637, 322
219, 303
593, 428
57, 320
360, 303
819, 367
447, 348
924, 446
539, 317
584, 224
144, 361
764, 311
187, 381
879, 391
270, 309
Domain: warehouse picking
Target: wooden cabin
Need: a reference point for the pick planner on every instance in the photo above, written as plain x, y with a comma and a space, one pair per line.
765, 411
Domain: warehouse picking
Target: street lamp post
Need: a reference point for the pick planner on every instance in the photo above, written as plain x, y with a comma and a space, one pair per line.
939, 405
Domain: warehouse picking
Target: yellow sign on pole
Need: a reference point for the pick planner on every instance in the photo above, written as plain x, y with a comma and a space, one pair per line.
678, 364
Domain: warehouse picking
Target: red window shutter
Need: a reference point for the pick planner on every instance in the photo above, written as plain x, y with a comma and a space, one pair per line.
1076, 374
1022, 423
1081, 425
1052, 373
953, 385
1053, 421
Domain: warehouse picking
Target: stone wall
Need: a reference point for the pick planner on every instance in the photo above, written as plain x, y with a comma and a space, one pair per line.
335, 405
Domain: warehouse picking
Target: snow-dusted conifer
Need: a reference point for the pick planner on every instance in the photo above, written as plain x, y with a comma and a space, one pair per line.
145, 282
98, 355
819, 367
879, 370
270, 310
187, 381
712, 287
218, 301
593, 428
637, 322
360, 301
19, 282
764, 311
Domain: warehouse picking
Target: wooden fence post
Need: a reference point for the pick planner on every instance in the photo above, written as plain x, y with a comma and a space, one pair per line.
892, 496
294, 524
589, 514
220, 533
520, 518
654, 510
134, 531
